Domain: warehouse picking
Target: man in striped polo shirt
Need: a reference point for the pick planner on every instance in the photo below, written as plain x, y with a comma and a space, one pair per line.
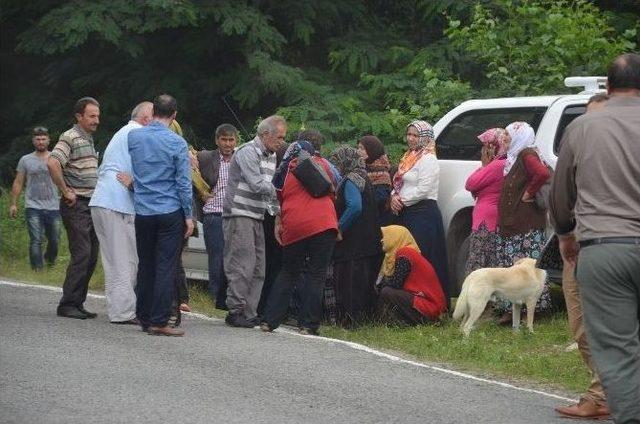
250, 194
73, 165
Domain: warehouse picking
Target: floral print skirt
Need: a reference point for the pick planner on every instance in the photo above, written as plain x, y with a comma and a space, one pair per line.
483, 245
512, 248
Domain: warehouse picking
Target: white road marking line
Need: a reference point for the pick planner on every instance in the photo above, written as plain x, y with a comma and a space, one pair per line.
352, 345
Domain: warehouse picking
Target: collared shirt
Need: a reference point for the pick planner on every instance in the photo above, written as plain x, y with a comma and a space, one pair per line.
161, 171
215, 202
421, 181
249, 191
41, 192
79, 160
109, 192
598, 173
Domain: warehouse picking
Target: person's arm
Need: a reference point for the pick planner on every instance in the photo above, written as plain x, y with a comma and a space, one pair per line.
55, 170
484, 177
182, 161
16, 189
249, 163
353, 206
400, 274
428, 170
537, 175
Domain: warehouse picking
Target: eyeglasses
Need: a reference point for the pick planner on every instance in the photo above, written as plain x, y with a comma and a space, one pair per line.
40, 131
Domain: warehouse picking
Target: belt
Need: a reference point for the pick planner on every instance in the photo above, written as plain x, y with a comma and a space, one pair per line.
611, 240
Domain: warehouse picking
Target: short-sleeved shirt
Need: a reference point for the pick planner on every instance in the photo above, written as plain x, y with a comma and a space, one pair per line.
41, 192
77, 156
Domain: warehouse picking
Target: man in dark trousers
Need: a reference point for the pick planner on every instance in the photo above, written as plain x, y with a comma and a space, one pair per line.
595, 208
162, 200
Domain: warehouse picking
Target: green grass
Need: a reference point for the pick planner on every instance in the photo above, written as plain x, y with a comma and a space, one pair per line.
535, 359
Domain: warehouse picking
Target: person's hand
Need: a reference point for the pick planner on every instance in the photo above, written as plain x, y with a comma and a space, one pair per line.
396, 204
69, 197
569, 248
527, 198
194, 160
124, 179
339, 236
188, 227
13, 211
486, 154
277, 230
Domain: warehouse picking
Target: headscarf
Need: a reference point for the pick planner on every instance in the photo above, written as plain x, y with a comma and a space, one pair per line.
494, 138
300, 148
373, 147
377, 163
522, 137
175, 127
426, 144
350, 165
394, 237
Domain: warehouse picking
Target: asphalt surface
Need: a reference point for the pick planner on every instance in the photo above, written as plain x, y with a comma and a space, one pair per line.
59, 370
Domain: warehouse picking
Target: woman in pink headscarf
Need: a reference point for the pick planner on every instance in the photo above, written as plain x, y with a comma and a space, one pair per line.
485, 185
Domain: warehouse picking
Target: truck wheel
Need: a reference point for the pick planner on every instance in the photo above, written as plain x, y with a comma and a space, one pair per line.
460, 265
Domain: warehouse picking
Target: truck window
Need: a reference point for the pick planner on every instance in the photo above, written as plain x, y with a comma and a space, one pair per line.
459, 139
568, 115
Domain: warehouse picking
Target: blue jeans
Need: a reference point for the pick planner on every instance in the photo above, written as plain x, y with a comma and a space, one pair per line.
214, 242
42, 223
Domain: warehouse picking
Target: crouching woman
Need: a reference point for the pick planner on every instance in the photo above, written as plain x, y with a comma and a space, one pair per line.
410, 288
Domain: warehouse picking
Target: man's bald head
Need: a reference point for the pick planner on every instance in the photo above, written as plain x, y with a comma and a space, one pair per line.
624, 74
142, 113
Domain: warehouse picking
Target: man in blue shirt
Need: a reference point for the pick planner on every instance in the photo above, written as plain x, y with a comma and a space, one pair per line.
162, 201
113, 214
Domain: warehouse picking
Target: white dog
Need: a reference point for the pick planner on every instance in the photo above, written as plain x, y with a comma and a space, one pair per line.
520, 283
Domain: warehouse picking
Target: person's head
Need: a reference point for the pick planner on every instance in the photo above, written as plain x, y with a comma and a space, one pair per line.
87, 113
623, 76
520, 136
395, 237
40, 138
142, 113
597, 102
226, 139
419, 134
496, 139
370, 148
272, 132
165, 108
314, 137
346, 159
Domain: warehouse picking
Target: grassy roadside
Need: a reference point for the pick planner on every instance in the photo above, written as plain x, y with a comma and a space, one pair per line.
537, 359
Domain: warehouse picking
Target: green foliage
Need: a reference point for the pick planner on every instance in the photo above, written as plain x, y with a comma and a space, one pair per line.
529, 47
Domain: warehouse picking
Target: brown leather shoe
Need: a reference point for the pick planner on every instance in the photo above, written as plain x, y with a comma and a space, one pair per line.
166, 331
585, 409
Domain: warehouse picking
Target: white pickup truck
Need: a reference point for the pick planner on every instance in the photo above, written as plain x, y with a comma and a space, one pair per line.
459, 155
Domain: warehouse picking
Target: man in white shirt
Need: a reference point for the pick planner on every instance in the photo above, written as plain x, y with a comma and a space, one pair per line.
113, 216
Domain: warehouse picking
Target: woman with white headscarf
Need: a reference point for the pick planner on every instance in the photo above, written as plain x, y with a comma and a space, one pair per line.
521, 222
414, 198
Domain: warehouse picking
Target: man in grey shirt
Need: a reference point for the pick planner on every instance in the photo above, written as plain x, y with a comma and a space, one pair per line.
598, 174
41, 200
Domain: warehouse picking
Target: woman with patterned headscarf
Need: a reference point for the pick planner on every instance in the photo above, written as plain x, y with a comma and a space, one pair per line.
521, 222
485, 185
415, 198
358, 252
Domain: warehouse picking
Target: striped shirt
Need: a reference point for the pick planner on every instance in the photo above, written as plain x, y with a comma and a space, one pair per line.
249, 190
77, 156
215, 202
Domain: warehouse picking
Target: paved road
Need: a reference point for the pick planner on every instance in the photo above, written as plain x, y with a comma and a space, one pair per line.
56, 370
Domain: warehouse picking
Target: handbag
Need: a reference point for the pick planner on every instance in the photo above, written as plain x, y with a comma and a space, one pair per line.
312, 176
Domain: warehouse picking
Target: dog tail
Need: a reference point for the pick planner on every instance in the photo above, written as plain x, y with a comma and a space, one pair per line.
461, 304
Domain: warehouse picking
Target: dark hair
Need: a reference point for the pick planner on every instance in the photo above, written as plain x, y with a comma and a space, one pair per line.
164, 106
314, 137
598, 98
39, 131
373, 147
226, 129
81, 105
624, 72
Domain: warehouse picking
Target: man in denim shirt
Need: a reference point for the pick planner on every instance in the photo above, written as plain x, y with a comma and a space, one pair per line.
162, 201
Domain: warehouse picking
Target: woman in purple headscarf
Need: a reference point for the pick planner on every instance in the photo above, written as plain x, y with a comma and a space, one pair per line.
414, 198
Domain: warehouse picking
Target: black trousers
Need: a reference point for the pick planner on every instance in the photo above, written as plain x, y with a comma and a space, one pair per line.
400, 304
83, 246
159, 244
319, 249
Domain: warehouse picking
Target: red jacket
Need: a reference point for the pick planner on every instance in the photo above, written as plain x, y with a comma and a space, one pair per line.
302, 214
423, 283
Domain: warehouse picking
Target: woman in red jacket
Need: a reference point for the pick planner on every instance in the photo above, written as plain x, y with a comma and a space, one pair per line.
410, 285
306, 228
